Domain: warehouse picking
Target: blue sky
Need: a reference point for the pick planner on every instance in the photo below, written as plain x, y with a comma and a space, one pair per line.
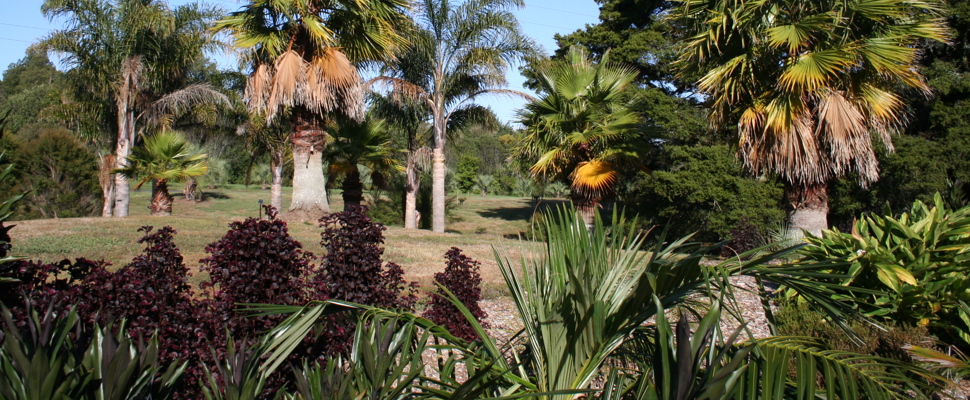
21, 24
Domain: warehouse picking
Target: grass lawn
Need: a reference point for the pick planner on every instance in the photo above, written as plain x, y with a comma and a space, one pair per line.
478, 225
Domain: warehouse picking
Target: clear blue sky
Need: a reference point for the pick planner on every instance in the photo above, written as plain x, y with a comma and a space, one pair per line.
21, 24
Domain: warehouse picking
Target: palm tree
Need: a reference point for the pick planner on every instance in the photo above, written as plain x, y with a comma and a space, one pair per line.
807, 84
459, 52
407, 117
125, 55
302, 54
580, 129
364, 144
164, 158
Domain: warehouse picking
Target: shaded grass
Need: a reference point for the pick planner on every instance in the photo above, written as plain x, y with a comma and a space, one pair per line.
477, 225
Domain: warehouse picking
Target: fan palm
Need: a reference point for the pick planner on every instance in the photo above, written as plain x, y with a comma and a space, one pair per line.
164, 158
459, 52
357, 144
580, 128
807, 84
126, 55
407, 117
302, 54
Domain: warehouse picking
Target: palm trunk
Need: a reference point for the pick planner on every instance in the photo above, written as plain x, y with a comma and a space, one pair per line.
586, 207
353, 190
107, 182
438, 175
161, 199
808, 208
276, 189
309, 201
411, 192
127, 91
126, 134
191, 185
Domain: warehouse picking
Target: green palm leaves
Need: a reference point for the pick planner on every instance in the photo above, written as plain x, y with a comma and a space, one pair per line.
580, 128
807, 82
166, 157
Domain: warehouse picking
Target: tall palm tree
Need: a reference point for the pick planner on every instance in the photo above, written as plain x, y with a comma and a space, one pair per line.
165, 157
580, 129
807, 85
125, 56
302, 54
459, 52
360, 144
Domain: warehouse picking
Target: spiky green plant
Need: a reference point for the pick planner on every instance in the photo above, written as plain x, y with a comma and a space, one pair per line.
164, 158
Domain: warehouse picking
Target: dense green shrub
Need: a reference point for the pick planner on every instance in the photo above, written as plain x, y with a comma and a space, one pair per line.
703, 189
888, 340
61, 176
918, 262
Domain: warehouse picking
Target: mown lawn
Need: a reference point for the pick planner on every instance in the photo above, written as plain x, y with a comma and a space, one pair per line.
478, 225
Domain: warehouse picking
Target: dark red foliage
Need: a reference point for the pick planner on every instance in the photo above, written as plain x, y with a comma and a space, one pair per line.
461, 277
257, 261
353, 271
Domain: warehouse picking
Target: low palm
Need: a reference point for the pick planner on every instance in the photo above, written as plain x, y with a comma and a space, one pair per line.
807, 85
580, 129
357, 144
165, 157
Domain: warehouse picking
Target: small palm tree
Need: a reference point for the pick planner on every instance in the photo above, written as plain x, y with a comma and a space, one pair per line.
580, 130
358, 147
164, 158
483, 182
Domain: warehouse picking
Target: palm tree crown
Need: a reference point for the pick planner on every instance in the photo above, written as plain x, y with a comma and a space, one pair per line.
580, 128
165, 156
807, 83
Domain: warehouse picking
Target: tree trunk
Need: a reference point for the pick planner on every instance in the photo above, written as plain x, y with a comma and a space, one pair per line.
411, 192
438, 189
353, 190
161, 200
808, 208
126, 135
309, 200
586, 207
127, 91
107, 181
276, 189
191, 185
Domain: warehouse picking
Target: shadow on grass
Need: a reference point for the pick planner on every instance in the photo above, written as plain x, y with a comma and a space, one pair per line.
523, 211
215, 196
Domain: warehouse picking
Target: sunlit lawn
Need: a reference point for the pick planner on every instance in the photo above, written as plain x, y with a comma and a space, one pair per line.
476, 226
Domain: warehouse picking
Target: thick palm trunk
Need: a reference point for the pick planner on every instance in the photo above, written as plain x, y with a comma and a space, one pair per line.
276, 188
161, 199
438, 194
190, 187
411, 192
353, 190
309, 200
586, 207
808, 208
